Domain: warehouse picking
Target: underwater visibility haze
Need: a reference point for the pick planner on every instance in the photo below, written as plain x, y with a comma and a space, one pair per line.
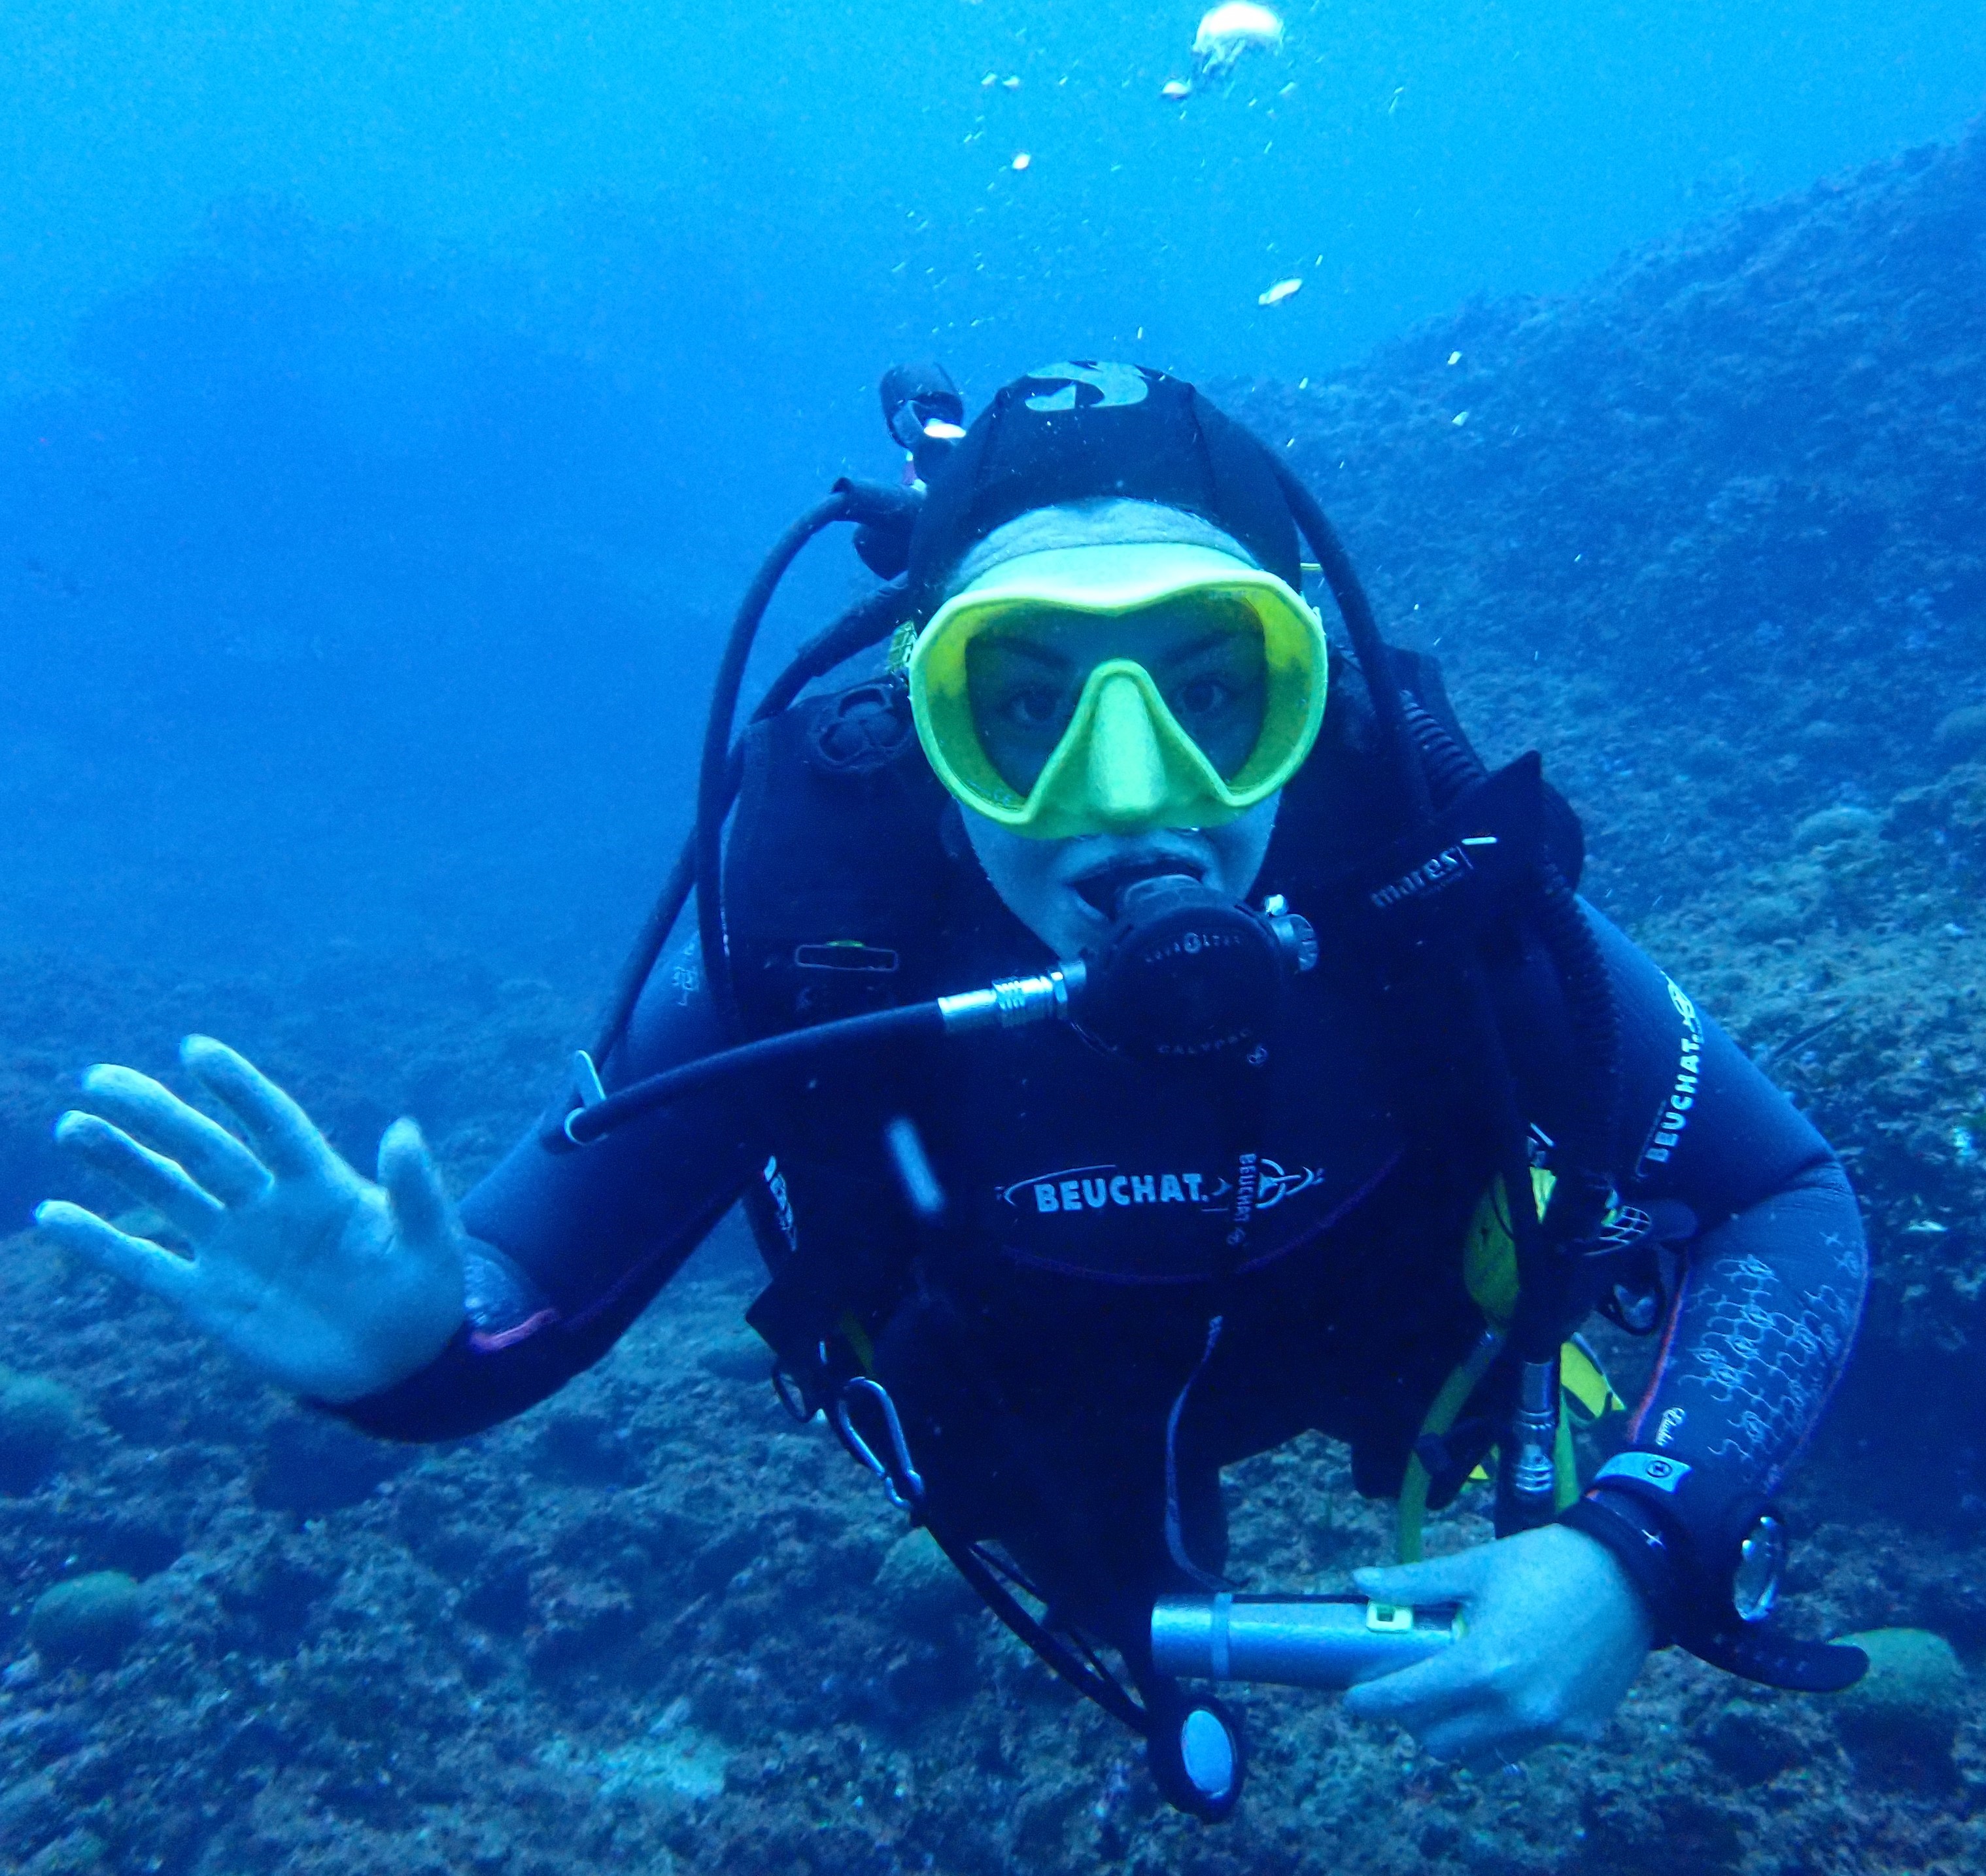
384, 375
396, 402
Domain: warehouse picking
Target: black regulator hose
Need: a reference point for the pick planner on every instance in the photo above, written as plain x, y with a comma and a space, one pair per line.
1525, 1481
1549, 1273
1374, 663
1012, 1002
871, 619
1432, 769
584, 1124
713, 792
1549, 1285
868, 622
1452, 770
1581, 969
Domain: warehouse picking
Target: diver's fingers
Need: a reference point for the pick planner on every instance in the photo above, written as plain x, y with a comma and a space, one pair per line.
421, 1207
1444, 1685
1452, 1579
152, 1113
149, 1177
1484, 1738
285, 1136
138, 1260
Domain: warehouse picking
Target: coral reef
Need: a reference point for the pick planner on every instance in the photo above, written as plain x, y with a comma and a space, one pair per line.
1912, 1698
38, 1418
87, 1622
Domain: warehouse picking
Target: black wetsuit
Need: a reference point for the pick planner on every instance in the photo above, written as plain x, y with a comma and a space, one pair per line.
1040, 1345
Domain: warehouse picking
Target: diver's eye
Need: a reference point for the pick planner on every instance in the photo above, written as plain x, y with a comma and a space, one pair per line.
1202, 696
1031, 707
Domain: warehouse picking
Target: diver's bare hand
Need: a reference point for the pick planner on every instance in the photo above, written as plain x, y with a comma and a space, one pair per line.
1554, 1635
322, 1282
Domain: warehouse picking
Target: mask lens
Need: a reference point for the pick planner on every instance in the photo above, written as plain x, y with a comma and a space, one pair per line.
1112, 688
1025, 673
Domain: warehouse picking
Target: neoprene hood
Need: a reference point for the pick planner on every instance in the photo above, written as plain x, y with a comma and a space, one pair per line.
1083, 432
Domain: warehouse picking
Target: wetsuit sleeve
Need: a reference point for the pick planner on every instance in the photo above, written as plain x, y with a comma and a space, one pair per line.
569, 1248
1774, 1275
1773, 1270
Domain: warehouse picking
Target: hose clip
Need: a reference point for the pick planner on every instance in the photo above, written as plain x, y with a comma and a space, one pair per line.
910, 1494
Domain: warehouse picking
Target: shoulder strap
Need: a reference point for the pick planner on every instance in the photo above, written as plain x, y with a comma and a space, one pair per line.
828, 877
1338, 812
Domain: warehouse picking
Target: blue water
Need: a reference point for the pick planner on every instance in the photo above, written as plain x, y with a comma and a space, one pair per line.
394, 396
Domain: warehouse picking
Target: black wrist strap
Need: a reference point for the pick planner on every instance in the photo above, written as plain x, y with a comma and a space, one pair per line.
1653, 1559
1643, 1548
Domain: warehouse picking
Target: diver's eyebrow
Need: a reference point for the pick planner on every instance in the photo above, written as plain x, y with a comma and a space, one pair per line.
1023, 647
1210, 642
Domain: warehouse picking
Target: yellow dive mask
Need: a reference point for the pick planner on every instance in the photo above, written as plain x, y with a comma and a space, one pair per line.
1119, 689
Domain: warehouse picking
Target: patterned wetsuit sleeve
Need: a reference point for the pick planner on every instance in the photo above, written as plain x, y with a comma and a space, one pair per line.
569, 1248
1773, 1279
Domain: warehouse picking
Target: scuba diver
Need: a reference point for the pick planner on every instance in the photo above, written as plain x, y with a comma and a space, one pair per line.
1140, 1032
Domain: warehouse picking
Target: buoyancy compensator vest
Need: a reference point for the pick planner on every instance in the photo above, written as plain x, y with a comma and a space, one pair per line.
848, 888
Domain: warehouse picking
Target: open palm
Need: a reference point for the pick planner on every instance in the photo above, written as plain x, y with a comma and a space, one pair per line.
323, 1281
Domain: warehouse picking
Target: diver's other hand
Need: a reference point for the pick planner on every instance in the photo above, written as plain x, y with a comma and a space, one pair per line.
1553, 1636
322, 1282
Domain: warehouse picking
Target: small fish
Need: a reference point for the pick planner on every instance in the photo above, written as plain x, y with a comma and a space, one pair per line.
940, 432
1175, 87
1455, 358
1278, 293
1021, 161
1010, 84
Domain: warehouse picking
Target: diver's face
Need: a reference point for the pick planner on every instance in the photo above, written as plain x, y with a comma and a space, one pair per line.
1061, 890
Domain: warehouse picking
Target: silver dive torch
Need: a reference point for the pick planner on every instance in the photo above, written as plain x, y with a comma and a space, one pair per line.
1296, 1640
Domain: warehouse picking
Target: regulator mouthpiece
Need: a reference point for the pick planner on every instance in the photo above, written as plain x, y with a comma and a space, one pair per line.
1185, 975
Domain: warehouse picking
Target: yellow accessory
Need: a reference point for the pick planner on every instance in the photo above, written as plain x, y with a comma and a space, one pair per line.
902, 641
1489, 1272
1124, 763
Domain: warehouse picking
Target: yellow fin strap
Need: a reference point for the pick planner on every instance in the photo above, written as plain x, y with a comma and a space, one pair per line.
1489, 1272
857, 1339
1565, 1462
1585, 1382
1448, 1405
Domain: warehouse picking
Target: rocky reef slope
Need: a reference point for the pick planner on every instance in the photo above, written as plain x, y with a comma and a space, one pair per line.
1708, 533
